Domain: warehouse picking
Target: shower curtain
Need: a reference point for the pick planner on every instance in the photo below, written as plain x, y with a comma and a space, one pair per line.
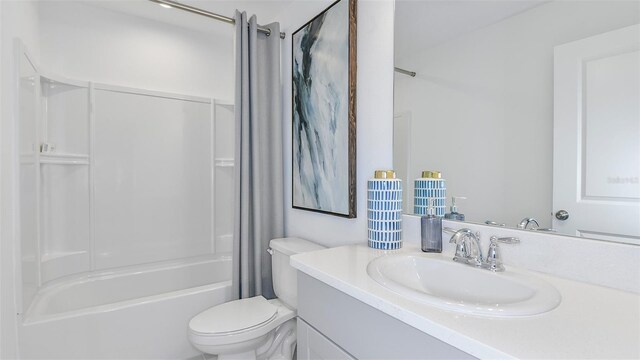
259, 189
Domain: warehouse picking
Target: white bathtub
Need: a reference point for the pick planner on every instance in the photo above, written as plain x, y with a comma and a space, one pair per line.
138, 312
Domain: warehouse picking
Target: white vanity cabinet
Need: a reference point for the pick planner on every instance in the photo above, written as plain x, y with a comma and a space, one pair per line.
312, 345
344, 313
334, 325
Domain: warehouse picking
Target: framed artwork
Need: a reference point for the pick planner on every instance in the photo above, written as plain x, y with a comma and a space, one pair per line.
324, 112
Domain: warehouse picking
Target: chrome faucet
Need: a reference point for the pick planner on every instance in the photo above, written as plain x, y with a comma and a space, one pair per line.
469, 252
524, 224
468, 249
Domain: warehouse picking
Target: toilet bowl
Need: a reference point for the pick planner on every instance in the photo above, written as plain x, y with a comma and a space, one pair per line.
238, 329
255, 328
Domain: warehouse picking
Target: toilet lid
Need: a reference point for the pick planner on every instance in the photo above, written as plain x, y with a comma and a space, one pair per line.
234, 316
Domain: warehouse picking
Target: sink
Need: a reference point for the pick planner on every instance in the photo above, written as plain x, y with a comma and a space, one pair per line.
443, 283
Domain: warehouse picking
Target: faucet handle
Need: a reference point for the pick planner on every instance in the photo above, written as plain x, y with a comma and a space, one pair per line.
546, 229
504, 240
459, 234
493, 261
449, 230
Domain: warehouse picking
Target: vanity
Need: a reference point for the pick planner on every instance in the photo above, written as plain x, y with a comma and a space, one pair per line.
345, 313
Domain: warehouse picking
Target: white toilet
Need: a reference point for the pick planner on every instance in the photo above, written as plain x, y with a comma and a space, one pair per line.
256, 328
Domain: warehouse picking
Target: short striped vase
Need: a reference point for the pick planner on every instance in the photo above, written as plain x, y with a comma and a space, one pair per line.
426, 189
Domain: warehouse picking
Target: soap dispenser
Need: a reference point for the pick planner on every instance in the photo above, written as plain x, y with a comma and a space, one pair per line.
454, 214
431, 230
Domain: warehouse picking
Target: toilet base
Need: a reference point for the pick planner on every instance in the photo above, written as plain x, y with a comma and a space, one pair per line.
249, 355
282, 345
279, 344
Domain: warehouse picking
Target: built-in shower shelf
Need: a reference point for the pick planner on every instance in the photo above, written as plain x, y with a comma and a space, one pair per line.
224, 243
225, 163
64, 159
57, 264
61, 254
28, 158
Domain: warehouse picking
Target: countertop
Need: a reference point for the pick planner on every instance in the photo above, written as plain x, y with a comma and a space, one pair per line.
591, 322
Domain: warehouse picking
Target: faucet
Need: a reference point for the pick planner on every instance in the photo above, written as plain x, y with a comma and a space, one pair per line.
468, 249
524, 224
469, 252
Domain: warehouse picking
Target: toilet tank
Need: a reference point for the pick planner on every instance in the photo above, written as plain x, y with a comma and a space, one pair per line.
285, 283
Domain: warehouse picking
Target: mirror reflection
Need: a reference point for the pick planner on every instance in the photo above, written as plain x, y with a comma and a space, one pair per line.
530, 110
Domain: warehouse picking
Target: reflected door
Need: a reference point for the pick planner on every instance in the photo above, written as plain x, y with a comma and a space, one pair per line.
596, 170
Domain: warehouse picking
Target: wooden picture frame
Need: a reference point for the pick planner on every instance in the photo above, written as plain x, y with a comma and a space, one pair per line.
324, 112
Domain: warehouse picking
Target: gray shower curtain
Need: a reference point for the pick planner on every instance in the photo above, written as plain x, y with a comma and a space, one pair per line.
259, 189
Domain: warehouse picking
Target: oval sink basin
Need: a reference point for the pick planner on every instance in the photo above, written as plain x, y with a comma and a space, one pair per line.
458, 287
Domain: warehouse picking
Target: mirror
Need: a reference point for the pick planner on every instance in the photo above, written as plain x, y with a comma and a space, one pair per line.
527, 108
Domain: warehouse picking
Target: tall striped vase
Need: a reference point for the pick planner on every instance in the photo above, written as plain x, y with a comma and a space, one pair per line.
384, 211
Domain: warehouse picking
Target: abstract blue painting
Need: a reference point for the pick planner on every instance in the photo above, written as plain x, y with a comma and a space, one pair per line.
323, 73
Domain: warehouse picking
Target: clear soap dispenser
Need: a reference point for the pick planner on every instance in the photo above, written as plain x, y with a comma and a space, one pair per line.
454, 214
431, 230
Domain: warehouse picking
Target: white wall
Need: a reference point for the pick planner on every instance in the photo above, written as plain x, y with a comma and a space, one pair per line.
2, 332
95, 44
374, 116
18, 19
482, 107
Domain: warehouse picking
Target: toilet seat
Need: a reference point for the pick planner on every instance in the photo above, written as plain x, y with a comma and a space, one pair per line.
238, 321
234, 316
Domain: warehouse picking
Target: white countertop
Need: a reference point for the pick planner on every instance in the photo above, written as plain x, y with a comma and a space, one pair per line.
591, 322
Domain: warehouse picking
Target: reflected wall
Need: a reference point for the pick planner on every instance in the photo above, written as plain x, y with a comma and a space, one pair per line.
480, 109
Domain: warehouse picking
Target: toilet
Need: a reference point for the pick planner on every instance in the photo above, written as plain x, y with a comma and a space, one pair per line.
256, 328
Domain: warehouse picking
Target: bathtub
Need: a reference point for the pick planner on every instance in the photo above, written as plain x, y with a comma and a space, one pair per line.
137, 312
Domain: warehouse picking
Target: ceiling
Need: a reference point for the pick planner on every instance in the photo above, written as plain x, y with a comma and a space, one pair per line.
268, 11
422, 24
419, 24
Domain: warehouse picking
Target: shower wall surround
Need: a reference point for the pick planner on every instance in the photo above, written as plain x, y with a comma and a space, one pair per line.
124, 177
105, 46
90, 43
160, 151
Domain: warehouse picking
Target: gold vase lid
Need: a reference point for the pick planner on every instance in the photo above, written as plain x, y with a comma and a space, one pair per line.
384, 174
431, 174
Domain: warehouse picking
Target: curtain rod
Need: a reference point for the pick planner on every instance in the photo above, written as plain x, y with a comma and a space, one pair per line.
195, 10
406, 72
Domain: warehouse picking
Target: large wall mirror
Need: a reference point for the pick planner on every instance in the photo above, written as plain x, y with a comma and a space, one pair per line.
529, 109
